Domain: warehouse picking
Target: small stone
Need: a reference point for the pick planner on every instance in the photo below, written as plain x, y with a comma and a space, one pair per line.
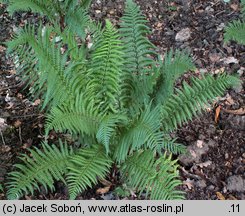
240, 71
226, 156
212, 143
211, 187
183, 35
243, 155
201, 184
111, 12
236, 183
221, 27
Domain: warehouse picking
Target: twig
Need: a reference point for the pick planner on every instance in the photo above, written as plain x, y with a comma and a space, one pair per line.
20, 135
2, 138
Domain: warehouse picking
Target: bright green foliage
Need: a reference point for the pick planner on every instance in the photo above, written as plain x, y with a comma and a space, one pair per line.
42, 168
144, 132
85, 167
236, 29
115, 97
173, 66
139, 53
69, 13
189, 102
38, 53
105, 70
145, 173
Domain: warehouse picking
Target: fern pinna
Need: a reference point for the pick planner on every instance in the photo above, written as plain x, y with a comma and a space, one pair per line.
235, 30
116, 99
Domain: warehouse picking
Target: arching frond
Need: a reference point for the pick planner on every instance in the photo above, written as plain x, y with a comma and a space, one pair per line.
175, 64
235, 31
145, 130
187, 103
108, 128
159, 178
37, 56
139, 53
42, 168
77, 20
77, 118
84, 169
105, 71
39, 6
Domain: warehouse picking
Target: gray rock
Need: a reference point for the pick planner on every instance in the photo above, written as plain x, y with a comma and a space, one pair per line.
183, 35
201, 184
194, 153
236, 183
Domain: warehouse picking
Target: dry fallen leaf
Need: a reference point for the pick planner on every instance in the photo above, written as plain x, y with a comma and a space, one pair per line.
240, 111
105, 182
229, 100
189, 183
193, 154
17, 123
200, 143
217, 112
234, 7
2, 48
103, 190
214, 57
220, 196
3, 125
231, 197
205, 164
36, 102
230, 60
5, 148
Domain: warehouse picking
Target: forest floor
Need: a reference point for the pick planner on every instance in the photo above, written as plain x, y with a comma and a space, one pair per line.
214, 167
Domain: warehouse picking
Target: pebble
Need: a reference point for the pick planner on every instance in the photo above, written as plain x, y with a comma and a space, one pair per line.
236, 183
201, 184
183, 35
211, 187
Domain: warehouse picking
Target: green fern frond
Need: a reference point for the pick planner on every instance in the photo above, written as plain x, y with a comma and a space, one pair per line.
42, 168
139, 54
85, 168
170, 145
86, 3
40, 6
108, 127
37, 57
235, 31
175, 64
80, 117
77, 21
105, 71
144, 131
187, 103
159, 178
243, 8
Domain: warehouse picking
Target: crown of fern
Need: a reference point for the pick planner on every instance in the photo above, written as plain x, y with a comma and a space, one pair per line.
116, 97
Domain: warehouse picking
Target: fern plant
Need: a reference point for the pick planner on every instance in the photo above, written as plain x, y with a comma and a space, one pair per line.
236, 29
116, 98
